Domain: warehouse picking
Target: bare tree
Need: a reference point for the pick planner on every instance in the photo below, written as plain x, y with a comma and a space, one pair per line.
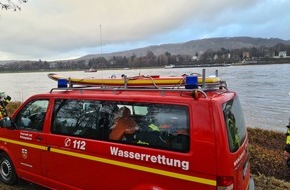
12, 4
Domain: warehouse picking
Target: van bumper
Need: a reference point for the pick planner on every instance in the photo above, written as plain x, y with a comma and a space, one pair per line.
251, 184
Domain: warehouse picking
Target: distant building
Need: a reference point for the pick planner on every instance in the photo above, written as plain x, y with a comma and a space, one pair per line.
194, 58
52, 65
281, 54
226, 56
113, 62
246, 54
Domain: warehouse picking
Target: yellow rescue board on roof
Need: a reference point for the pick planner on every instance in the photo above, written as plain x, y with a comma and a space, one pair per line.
132, 81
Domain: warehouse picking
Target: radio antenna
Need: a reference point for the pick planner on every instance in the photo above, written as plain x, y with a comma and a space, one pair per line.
101, 40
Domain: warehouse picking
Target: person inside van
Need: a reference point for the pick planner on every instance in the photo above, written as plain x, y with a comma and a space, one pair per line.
106, 119
150, 134
124, 125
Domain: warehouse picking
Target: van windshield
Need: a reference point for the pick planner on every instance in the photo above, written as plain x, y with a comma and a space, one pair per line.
235, 123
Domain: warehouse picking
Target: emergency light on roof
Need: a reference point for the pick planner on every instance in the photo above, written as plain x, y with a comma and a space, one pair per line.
62, 83
191, 82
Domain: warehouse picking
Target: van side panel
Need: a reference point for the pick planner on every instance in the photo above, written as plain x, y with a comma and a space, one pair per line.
130, 167
75, 161
203, 138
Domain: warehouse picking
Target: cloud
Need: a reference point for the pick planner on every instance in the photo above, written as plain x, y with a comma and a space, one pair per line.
59, 29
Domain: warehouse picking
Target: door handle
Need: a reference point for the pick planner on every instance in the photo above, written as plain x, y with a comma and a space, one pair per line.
39, 138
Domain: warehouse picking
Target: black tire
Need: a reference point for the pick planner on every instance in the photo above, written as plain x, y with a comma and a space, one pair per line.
7, 170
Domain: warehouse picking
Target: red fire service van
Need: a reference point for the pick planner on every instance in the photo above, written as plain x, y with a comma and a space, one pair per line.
168, 135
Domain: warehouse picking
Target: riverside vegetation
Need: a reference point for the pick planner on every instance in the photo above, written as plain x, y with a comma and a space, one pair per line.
266, 157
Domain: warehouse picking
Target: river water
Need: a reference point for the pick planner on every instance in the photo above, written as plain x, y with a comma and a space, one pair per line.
264, 90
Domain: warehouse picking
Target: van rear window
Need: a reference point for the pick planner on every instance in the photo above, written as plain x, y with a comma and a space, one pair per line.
161, 126
235, 123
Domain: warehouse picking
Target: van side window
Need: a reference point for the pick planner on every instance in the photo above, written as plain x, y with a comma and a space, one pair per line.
164, 126
76, 118
235, 123
32, 116
141, 124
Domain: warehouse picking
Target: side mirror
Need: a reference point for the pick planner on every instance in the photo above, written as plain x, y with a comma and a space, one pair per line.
7, 123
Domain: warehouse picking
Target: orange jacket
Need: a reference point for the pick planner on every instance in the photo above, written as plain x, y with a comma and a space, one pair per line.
124, 125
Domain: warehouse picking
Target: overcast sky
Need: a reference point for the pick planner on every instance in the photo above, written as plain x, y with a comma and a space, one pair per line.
64, 29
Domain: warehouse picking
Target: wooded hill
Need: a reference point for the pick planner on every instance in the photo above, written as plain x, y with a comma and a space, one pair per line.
198, 46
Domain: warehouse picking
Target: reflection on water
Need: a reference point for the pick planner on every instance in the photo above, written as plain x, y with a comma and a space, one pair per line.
263, 89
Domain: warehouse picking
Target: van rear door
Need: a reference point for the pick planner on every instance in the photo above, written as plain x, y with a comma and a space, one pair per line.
233, 157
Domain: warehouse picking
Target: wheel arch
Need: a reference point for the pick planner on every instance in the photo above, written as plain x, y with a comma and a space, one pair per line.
4, 153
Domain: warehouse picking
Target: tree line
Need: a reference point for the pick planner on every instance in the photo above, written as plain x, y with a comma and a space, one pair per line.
223, 55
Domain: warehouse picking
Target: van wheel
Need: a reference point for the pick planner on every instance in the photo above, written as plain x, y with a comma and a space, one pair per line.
7, 171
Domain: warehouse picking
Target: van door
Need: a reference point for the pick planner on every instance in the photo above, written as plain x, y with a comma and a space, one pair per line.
70, 144
29, 141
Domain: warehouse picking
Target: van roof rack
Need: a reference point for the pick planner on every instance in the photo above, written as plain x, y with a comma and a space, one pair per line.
194, 81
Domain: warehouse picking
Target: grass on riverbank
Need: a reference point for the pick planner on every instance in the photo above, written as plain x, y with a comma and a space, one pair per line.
266, 157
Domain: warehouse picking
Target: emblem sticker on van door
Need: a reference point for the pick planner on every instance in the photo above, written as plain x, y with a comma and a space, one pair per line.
24, 153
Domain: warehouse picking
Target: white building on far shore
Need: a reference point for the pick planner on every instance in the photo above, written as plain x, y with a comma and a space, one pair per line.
281, 54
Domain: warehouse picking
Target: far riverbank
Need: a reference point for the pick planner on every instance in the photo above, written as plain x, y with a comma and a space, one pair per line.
243, 63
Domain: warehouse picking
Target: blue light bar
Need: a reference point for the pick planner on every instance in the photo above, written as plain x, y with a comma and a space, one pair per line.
62, 83
191, 82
